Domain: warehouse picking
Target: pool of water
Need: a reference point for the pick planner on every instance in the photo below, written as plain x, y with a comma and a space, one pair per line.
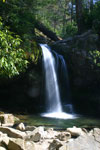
81, 121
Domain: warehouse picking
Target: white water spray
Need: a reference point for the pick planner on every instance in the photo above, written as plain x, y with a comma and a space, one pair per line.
54, 107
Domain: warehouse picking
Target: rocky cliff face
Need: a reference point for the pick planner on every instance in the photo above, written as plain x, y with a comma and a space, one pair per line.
82, 55
76, 51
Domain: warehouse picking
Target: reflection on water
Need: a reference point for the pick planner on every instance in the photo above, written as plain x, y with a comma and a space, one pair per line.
37, 120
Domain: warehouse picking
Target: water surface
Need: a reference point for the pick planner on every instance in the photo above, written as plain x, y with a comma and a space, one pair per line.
82, 121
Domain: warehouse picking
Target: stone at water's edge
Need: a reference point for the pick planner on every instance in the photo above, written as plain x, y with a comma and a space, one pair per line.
59, 141
8, 119
40, 138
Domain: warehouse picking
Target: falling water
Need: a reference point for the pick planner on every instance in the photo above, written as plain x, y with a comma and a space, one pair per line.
63, 77
52, 90
54, 107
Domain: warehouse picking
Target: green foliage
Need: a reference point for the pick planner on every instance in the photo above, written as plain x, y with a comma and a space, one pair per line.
94, 57
92, 18
12, 57
20, 16
35, 53
53, 14
71, 29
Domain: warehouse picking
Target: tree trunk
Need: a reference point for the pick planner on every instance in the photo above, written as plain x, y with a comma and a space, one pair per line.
38, 25
91, 4
71, 10
79, 15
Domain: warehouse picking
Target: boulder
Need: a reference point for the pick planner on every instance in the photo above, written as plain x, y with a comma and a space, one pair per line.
15, 144
13, 132
7, 119
38, 133
64, 147
28, 135
21, 127
96, 134
39, 129
2, 148
20, 144
55, 145
29, 145
85, 142
36, 137
4, 139
51, 134
64, 136
75, 131
30, 128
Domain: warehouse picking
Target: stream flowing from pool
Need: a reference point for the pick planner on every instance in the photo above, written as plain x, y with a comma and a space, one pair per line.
54, 107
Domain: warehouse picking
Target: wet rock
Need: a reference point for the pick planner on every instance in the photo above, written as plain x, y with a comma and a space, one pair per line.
13, 132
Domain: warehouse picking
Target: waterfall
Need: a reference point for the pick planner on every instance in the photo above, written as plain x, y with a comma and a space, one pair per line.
52, 89
52, 93
63, 77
